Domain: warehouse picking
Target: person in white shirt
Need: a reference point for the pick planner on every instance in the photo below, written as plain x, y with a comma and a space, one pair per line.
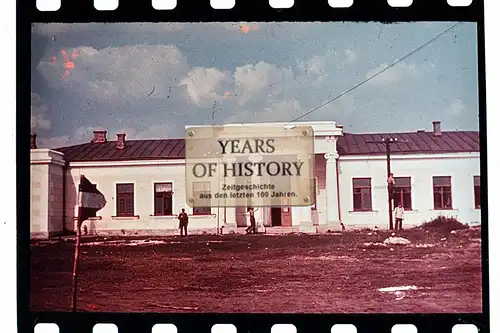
399, 212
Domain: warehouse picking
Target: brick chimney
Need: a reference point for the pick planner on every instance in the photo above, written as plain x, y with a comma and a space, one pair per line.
33, 141
436, 128
100, 136
120, 140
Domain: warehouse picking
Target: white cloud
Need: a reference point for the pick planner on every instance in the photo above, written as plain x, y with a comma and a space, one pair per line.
393, 75
312, 71
133, 72
55, 142
126, 75
126, 72
282, 110
276, 112
343, 106
287, 110
82, 135
38, 113
316, 65
129, 73
456, 107
206, 85
85, 134
262, 82
158, 131
350, 56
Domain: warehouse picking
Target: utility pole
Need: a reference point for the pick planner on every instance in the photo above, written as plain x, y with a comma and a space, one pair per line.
388, 141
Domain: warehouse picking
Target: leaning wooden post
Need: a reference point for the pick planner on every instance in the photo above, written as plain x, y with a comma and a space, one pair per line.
75, 269
90, 200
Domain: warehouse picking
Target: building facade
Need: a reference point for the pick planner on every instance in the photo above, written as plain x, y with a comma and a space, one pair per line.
436, 173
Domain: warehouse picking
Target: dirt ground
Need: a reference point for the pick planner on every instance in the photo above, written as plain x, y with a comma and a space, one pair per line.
331, 273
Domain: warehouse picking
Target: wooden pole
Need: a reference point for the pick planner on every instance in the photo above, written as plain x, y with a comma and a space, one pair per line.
75, 269
389, 186
387, 142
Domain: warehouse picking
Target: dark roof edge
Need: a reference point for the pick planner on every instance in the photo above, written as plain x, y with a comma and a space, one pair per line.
173, 158
344, 133
430, 152
408, 132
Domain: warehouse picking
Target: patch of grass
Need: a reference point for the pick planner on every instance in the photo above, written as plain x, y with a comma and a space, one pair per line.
444, 224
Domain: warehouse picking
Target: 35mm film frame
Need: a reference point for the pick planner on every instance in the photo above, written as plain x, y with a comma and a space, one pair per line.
256, 10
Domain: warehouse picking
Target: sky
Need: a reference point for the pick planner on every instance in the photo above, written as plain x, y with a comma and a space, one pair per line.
149, 80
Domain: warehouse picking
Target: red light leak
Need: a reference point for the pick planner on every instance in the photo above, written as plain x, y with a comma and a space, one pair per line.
68, 63
245, 28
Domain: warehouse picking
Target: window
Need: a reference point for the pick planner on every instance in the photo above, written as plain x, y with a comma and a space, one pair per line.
199, 189
442, 192
477, 192
362, 194
163, 199
125, 199
402, 192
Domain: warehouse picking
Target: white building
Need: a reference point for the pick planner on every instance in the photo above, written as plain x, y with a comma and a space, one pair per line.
437, 173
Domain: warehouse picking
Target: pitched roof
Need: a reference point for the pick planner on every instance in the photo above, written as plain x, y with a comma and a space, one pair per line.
349, 144
134, 150
409, 143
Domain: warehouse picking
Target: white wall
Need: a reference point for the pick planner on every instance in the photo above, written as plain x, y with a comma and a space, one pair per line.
421, 168
46, 193
144, 177
55, 199
39, 179
320, 174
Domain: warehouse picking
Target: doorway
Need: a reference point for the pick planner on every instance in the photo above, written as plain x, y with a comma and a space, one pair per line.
241, 218
281, 217
276, 216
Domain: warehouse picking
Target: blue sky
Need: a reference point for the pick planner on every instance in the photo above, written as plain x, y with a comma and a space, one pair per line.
205, 73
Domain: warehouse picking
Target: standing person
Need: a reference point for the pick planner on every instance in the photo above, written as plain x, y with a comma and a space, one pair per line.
391, 183
399, 212
183, 222
252, 226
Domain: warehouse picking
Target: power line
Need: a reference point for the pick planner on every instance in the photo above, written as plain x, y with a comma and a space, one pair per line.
378, 73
